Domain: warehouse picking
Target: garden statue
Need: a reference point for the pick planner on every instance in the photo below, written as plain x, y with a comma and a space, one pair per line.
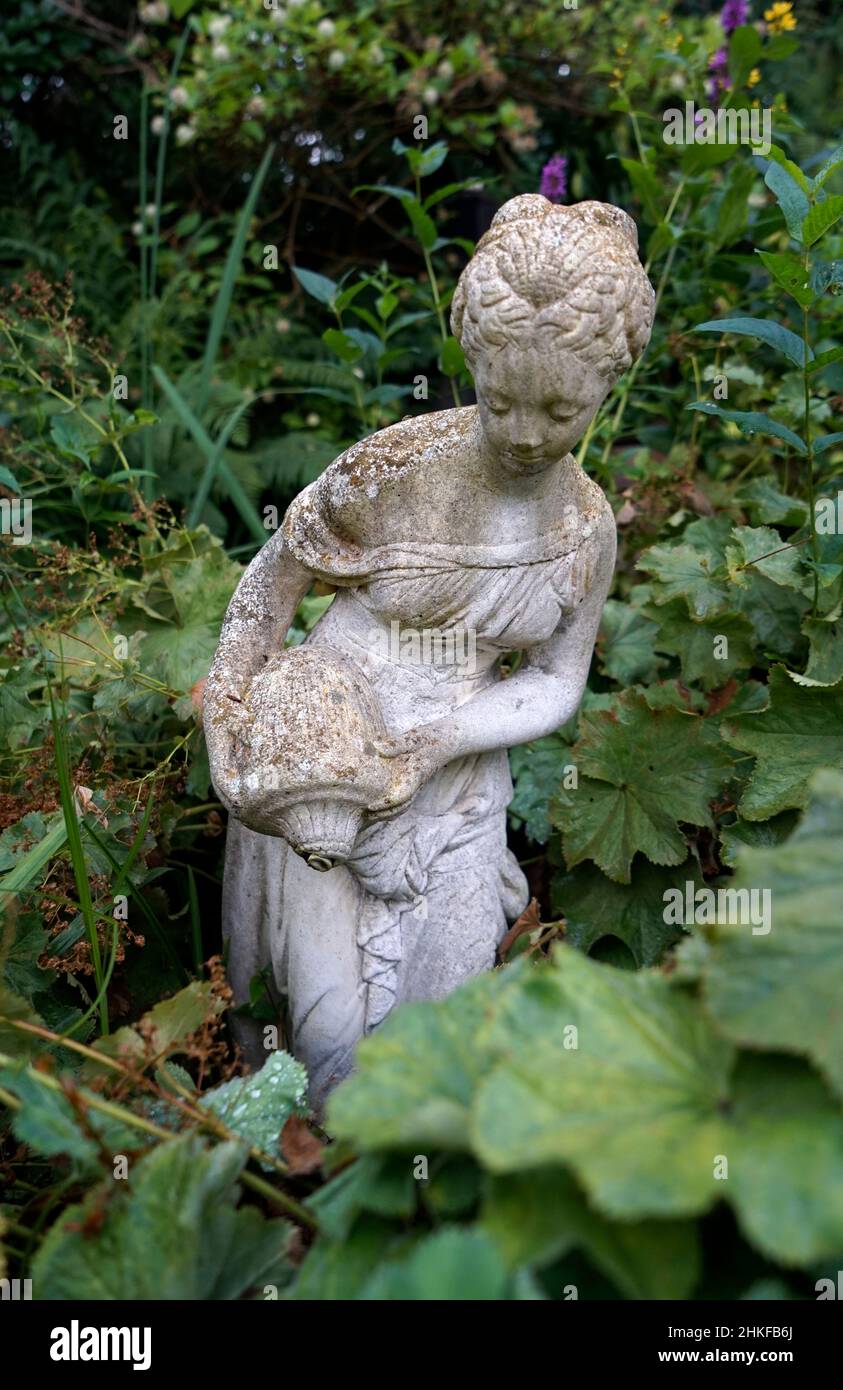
365, 771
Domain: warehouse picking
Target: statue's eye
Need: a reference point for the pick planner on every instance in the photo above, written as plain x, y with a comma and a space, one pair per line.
561, 411
497, 404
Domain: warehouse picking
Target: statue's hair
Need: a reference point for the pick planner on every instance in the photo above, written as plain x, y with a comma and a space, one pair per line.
568, 274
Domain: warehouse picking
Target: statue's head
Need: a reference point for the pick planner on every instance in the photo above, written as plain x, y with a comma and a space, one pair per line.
553, 307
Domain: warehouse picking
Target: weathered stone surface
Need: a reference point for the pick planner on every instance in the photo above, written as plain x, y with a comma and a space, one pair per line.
366, 772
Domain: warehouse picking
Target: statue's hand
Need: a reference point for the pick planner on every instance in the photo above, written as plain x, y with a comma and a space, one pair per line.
414, 757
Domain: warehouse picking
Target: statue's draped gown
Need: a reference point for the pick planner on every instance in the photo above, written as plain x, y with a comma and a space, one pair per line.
428, 893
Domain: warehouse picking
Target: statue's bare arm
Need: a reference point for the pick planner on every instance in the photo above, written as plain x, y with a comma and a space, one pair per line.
542, 695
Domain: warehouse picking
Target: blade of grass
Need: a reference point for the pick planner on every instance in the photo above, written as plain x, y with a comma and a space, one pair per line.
97, 1002
211, 467
161, 161
29, 866
203, 439
148, 484
195, 922
222, 303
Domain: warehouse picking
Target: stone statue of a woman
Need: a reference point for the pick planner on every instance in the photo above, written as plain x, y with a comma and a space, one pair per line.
366, 772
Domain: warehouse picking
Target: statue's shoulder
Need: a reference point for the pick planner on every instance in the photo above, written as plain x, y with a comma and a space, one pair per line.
592, 511
380, 489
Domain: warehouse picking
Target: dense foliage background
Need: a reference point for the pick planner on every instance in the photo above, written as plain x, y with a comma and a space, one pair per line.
227, 249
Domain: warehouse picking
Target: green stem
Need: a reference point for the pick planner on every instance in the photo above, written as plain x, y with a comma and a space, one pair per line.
815, 552
437, 303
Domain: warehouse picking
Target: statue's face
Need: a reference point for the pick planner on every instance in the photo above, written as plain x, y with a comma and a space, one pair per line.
535, 404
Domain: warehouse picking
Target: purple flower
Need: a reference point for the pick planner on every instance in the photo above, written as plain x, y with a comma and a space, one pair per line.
719, 62
718, 82
554, 182
734, 14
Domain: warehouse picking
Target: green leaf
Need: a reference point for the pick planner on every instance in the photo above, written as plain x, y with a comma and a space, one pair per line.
640, 1108
625, 644
710, 650
782, 990
422, 224
451, 359
829, 166
767, 503
196, 586
75, 436
641, 772
173, 1234
825, 359
316, 285
790, 197
763, 549
821, 219
422, 161
25, 850
789, 271
647, 1101
828, 441
733, 210
647, 186
595, 907
751, 422
744, 53
51, 1125
538, 1218
780, 158
342, 344
19, 718
800, 732
258, 1106
780, 46
8, 480
453, 1265
754, 834
167, 1026
782, 339
683, 572
339, 1270
416, 1076
537, 770
825, 660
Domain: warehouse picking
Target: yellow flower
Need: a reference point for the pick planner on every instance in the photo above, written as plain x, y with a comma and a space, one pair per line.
754, 78
780, 17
